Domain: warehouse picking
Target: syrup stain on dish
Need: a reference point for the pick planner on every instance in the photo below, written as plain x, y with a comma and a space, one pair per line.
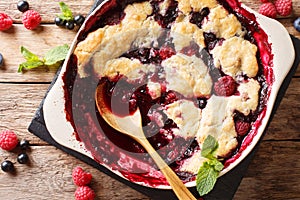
172, 60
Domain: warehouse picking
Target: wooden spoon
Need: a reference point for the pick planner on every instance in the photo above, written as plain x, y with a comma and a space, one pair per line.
132, 126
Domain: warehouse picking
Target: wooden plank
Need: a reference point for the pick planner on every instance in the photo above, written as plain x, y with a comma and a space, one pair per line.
39, 42
18, 105
47, 9
49, 176
273, 174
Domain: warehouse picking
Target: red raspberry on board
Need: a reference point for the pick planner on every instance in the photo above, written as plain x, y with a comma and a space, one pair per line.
5, 22
80, 177
31, 19
242, 128
284, 7
225, 86
84, 193
268, 9
8, 140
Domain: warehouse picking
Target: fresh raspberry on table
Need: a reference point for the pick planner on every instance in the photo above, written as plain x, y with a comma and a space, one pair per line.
5, 22
284, 7
80, 177
268, 9
242, 128
31, 19
84, 193
225, 86
8, 140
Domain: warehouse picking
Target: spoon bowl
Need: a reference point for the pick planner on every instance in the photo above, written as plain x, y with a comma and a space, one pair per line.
127, 126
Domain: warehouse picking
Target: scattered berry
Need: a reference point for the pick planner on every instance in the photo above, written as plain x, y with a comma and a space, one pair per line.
284, 7
1, 60
202, 103
79, 19
80, 177
5, 22
31, 19
242, 128
225, 86
24, 144
264, 1
268, 9
23, 6
297, 24
170, 98
23, 158
84, 193
7, 166
8, 140
59, 21
70, 25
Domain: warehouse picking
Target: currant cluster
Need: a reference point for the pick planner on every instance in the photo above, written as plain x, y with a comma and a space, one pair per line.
70, 24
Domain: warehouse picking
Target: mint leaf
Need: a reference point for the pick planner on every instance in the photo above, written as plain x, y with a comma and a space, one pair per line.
56, 54
52, 58
206, 178
216, 164
210, 145
29, 56
66, 12
31, 64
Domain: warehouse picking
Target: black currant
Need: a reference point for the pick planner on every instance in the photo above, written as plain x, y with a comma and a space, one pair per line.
1, 60
24, 144
79, 19
70, 25
7, 166
59, 21
23, 158
23, 6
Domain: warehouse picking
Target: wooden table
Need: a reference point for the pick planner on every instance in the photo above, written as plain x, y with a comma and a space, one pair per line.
273, 174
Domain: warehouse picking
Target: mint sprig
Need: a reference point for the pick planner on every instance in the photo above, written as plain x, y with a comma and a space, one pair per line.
52, 57
66, 13
210, 170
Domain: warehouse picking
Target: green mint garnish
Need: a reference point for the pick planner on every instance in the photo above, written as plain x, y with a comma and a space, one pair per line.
52, 57
66, 12
210, 170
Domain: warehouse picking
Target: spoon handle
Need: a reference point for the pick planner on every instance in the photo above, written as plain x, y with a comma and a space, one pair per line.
177, 185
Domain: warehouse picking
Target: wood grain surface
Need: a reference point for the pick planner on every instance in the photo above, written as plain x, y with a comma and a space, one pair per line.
273, 174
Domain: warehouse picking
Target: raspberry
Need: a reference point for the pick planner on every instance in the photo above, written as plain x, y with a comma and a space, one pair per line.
5, 22
8, 140
166, 52
84, 193
80, 177
242, 127
264, 1
225, 86
268, 9
31, 19
284, 7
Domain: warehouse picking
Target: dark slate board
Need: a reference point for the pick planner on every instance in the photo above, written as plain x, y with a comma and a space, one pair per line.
226, 185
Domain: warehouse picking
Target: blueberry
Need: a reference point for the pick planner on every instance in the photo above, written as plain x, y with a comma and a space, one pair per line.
59, 22
202, 103
23, 158
23, 6
24, 144
7, 166
1, 60
70, 25
79, 19
297, 24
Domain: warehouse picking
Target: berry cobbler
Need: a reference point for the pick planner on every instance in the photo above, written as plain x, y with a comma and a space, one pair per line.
193, 68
